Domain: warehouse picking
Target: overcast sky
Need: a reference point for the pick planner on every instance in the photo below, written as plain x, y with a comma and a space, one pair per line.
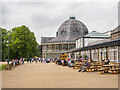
44, 18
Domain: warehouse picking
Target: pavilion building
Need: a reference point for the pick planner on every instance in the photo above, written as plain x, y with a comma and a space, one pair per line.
68, 32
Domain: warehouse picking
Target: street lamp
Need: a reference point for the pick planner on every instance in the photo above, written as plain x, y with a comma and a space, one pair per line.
8, 50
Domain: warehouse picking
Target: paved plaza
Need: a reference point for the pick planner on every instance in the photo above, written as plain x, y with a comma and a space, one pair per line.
50, 75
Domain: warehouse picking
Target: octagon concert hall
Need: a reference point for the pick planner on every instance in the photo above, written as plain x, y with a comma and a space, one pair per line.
74, 39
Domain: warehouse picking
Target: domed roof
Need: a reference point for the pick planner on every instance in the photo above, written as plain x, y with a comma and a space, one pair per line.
72, 27
70, 30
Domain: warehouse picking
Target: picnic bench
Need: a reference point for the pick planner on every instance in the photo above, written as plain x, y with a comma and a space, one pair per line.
77, 65
101, 70
90, 69
116, 68
107, 68
114, 71
97, 66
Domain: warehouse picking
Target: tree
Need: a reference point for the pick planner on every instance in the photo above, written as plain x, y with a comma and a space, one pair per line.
40, 50
22, 42
0, 44
4, 43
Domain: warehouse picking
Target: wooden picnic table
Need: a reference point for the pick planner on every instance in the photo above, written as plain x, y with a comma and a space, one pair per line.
108, 67
116, 68
97, 66
77, 65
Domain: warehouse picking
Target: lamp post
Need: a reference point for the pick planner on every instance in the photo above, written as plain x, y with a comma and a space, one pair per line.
8, 54
8, 51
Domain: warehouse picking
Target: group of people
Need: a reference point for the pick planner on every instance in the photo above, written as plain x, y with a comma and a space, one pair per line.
65, 62
17, 61
38, 59
70, 62
87, 64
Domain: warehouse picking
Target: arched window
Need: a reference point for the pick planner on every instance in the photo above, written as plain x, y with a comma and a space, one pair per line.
56, 34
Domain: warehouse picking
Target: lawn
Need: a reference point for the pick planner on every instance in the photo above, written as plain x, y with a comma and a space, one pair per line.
2, 67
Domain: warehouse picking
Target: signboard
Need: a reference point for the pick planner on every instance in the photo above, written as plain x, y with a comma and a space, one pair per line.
63, 56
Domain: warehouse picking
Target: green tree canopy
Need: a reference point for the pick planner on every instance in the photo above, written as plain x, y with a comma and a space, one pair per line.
4, 43
22, 42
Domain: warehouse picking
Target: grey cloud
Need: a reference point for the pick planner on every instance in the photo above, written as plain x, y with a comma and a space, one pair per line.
44, 18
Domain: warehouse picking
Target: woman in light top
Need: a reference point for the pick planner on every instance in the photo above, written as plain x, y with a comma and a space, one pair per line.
44, 60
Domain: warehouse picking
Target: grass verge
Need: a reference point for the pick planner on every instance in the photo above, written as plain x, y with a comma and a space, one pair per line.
2, 67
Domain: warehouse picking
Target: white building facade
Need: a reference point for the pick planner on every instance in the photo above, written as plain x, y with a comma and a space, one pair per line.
99, 46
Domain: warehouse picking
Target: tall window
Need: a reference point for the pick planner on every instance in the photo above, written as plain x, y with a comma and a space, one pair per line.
49, 47
60, 46
65, 46
57, 46
53, 47
44, 47
71, 46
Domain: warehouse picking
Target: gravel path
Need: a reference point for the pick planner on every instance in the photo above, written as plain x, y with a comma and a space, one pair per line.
37, 75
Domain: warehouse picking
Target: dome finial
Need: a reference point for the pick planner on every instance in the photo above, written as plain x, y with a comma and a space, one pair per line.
71, 17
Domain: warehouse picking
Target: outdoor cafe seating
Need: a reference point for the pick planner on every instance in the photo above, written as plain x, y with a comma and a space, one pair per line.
98, 66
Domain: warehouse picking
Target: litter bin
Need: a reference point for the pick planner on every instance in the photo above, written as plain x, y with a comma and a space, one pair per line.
10, 66
6, 67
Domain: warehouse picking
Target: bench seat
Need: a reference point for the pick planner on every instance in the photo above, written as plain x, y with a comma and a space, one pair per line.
101, 70
91, 69
114, 71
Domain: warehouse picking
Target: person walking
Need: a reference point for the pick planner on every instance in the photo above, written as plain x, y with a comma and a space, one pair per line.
53, 60
82, 59
44, 60
49, 60
23, 60
86, 64
39, 59
36, 60
62, 61
16, 62
13, 63
27, 60
30, 60
69, 63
